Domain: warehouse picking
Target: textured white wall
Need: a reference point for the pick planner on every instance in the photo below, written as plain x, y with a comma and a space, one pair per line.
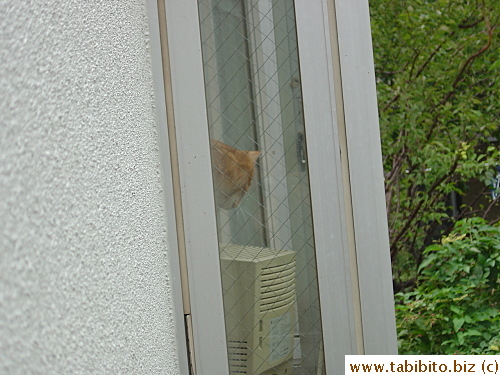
84, 285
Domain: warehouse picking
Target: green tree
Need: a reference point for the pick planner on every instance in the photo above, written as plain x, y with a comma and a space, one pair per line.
438, 69
454, 308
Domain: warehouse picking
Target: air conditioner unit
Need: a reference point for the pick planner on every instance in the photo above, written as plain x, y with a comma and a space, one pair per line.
259, 302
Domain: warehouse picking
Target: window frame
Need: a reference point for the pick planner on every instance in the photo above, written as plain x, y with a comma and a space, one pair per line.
340, 111
361, 126
162, 98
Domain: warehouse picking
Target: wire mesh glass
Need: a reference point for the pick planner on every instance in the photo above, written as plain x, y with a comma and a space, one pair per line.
267, 255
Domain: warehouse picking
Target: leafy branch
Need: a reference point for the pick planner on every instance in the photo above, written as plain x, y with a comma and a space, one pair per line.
437, 77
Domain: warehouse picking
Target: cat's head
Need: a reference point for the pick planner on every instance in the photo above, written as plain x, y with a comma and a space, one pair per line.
233, 171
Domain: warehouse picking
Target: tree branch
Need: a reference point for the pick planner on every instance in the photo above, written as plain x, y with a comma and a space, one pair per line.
416, 210
468, 26
468, 62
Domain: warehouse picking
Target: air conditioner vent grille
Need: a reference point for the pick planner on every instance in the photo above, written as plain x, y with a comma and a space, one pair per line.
238, 357
248, 253
277, 286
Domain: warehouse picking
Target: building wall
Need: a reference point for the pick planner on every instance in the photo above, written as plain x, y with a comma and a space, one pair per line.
84, 274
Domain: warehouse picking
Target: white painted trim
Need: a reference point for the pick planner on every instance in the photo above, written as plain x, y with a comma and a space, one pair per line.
366, 176
264, 66
167, 184
326, 183
210, 350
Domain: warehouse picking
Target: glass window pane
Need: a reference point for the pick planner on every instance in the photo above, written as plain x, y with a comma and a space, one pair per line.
261, 187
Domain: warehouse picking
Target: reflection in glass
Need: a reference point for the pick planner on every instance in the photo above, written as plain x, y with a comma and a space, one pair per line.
267, 254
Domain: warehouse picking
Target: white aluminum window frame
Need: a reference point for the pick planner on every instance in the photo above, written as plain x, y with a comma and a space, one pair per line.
341, 120
269, 123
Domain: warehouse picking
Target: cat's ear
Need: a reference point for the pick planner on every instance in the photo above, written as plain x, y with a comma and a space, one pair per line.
254, 155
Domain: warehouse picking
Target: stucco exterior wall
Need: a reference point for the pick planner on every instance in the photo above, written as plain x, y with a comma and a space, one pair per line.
84, 285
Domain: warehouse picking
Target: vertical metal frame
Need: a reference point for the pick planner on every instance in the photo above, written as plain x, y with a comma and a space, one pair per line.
338, 311
345, 175
337, 70
355, 52
268, 107
347, 48
197, 201
167, 183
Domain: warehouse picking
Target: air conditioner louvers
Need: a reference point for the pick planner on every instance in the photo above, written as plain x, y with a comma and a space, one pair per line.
259, 302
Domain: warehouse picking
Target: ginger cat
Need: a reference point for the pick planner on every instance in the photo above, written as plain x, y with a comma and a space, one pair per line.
233, 171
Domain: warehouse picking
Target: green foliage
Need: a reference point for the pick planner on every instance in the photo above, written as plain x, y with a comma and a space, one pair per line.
455, 307
438, 73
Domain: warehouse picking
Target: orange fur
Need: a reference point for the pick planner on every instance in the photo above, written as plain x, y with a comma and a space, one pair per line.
233, 171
